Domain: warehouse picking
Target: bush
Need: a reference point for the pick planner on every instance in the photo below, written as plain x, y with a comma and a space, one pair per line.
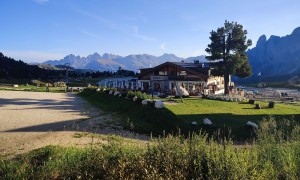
130, 95
271, 104
59, 84
233, 98
38, 83
88, 92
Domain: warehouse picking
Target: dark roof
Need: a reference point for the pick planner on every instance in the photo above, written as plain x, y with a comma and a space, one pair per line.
196, 68
191, 65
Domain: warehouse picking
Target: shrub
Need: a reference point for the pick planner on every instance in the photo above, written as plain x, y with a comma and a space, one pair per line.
232, 98
130, 95
38, 83
88, 92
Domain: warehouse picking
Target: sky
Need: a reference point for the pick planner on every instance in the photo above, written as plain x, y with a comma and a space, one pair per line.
40, 30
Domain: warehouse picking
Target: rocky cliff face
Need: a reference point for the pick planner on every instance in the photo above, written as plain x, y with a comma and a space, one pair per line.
277, 56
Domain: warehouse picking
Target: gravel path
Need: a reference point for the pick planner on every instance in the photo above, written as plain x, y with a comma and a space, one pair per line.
30, 120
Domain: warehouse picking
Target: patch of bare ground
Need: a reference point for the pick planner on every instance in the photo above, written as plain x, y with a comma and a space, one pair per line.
31, 120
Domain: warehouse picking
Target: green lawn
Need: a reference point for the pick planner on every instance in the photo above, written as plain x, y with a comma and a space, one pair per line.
229, 113
228, 116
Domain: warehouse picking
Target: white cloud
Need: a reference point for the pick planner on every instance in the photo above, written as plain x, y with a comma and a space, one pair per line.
32, 56
132, 31
136, 33
41, 1
163, 46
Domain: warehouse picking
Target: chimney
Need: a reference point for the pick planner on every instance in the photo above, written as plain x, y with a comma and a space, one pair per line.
196, 61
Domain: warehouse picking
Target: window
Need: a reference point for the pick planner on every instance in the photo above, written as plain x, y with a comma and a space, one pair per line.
182, 73
162, 73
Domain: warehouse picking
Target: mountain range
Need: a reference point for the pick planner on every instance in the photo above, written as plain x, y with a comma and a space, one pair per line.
276, 58
111, 62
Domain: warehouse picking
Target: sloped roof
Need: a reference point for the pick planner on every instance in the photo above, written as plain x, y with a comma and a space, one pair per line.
194, 68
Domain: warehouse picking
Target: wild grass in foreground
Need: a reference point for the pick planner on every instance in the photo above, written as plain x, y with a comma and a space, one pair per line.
275, 154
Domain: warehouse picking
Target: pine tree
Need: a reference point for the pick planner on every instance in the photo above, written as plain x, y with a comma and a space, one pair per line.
228, 49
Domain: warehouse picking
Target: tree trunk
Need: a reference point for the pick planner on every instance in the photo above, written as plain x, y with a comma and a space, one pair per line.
226, 83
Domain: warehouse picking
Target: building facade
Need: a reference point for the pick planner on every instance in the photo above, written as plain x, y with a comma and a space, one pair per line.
129, 83
171, 77
195, 78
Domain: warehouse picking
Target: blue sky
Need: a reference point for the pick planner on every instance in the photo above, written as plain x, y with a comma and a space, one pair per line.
39, 30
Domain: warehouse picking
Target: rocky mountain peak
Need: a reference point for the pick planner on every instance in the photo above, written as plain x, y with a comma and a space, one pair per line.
110, 56
94, 56
169, 57
274, 38
296, 31
277, 56
70, 56
261, 42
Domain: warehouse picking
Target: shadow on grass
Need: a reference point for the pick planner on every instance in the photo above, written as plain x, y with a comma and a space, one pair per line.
228, 123
147, 119
244, 103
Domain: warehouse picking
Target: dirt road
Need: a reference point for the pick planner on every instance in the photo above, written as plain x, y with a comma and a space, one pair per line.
30, 120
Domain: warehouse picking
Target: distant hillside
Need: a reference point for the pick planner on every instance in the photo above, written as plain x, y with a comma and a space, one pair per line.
111, 62
278, 58
10, 68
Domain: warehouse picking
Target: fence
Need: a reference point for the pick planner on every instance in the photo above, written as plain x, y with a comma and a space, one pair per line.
275, 95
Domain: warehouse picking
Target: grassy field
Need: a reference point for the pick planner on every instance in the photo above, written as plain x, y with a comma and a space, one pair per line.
274, 155
233, 115
133, 116
230, 117
32, 88
26, 84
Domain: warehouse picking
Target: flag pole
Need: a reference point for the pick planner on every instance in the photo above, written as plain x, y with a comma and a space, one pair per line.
259, 74
260, 78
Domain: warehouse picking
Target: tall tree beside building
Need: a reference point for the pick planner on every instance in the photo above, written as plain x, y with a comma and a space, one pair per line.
228, 49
